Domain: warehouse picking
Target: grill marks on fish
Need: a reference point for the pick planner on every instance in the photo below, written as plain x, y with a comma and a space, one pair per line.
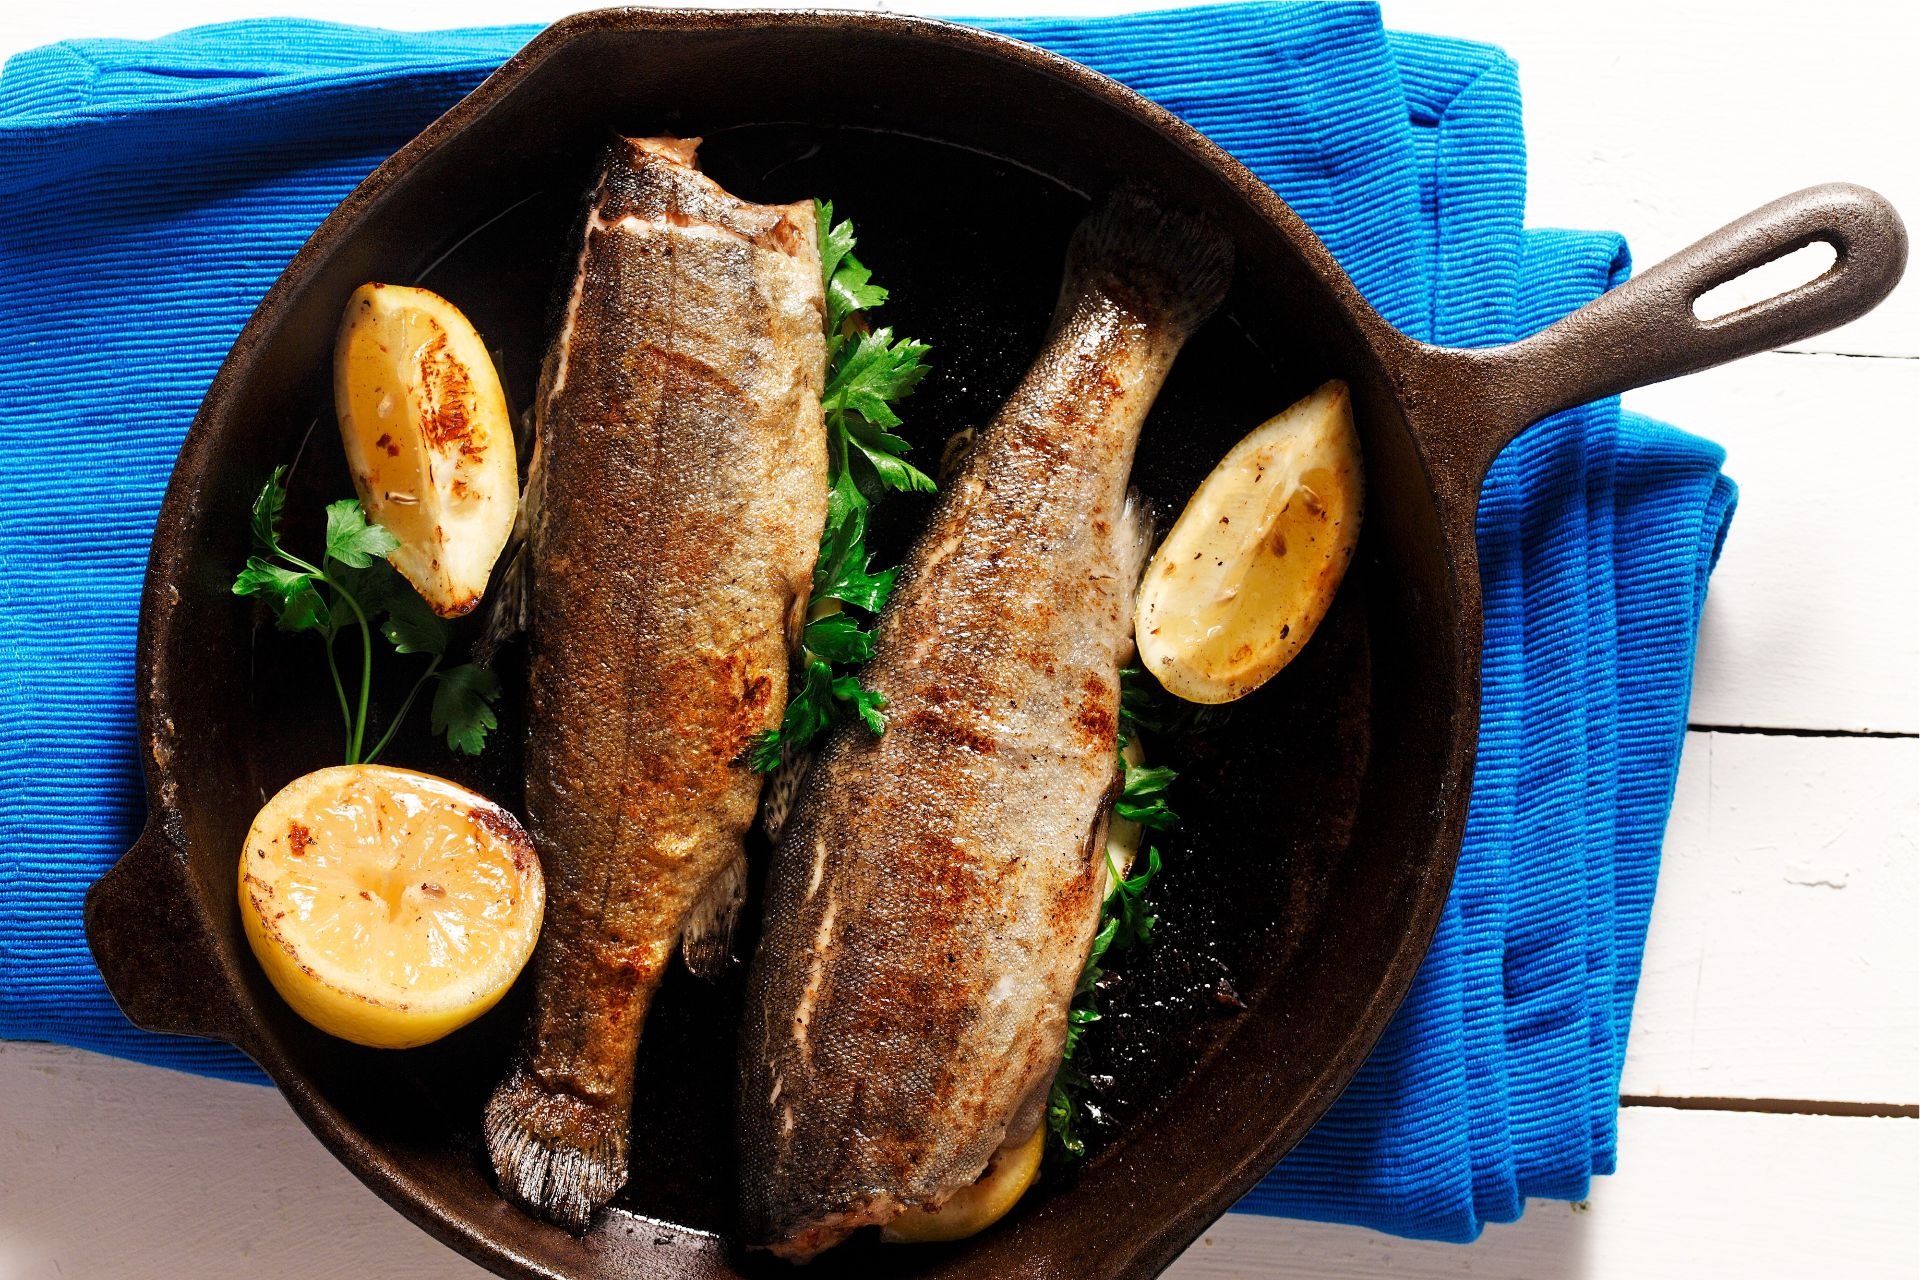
677, 500
935, 891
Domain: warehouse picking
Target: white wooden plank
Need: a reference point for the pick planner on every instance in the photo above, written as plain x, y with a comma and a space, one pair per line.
1813, 619
112, 1171
1783, 959
1700, 1194
1666, 120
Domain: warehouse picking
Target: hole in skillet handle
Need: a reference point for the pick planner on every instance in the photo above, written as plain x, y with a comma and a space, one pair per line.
1780, 276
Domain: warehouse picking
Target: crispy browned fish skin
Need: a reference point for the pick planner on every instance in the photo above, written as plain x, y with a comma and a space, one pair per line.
681, 494
935, 892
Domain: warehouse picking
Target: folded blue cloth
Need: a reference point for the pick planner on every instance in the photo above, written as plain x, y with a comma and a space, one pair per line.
150, 192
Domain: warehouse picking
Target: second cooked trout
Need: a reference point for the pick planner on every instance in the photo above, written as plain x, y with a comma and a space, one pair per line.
935, 892
674, 513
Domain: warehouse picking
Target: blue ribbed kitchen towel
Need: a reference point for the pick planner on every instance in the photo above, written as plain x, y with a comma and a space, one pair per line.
151, 191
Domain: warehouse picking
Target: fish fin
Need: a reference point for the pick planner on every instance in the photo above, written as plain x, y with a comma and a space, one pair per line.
557, 1155
1150, 256
507, 614
512, 605
782, 789
1133, 536
706, 943
954, 456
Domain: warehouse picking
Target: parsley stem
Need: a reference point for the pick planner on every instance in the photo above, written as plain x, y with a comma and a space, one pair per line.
339, 691
405, 706
366, 669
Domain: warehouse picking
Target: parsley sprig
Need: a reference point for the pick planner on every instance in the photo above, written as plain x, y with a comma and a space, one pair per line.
868, 370
1126, 919
354, 585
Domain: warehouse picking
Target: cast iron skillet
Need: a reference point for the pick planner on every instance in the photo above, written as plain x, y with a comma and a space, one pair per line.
1325, 813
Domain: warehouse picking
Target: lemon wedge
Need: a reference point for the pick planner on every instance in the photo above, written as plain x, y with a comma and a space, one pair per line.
1251, 566
973, 1209
388, 907
428, 437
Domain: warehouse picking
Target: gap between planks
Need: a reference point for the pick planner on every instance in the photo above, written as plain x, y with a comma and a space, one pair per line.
1785, 731
1782, 1106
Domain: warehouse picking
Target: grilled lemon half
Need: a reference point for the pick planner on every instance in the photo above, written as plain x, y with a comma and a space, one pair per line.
388, 907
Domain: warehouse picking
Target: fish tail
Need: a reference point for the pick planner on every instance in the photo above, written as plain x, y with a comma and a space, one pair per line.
1152, 257
557, 1155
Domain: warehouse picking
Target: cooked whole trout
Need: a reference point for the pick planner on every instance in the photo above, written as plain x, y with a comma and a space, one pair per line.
676, 503
935, 891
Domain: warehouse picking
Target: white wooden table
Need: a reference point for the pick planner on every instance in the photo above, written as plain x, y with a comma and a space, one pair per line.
1773, 1075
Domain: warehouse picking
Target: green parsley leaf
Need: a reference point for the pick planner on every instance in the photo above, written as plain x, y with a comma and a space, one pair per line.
838, 638
848, 282
851, 291
405, 619
351, 539
289, 593
763, 753
866, 372
864, 702
304, 610
1140, 700
809, 706
1126, 907
1061, 1109
816, 701
463, 700
1091, 972
881, 452
843, 572
1078, 1020
266, 512
1143, 797
877, 371
851, 580
411, 625
261, 578
836, 242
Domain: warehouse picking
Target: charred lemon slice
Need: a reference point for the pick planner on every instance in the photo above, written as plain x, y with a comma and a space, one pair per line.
388, 907
1253, 563
428, 438
975, 1208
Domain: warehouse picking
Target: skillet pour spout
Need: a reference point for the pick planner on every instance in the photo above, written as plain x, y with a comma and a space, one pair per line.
1365, 744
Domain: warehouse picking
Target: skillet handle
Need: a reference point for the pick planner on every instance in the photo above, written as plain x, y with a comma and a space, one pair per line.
1646, 331
150, 935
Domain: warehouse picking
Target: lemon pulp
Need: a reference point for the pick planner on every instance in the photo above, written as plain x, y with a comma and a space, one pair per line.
388, 907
